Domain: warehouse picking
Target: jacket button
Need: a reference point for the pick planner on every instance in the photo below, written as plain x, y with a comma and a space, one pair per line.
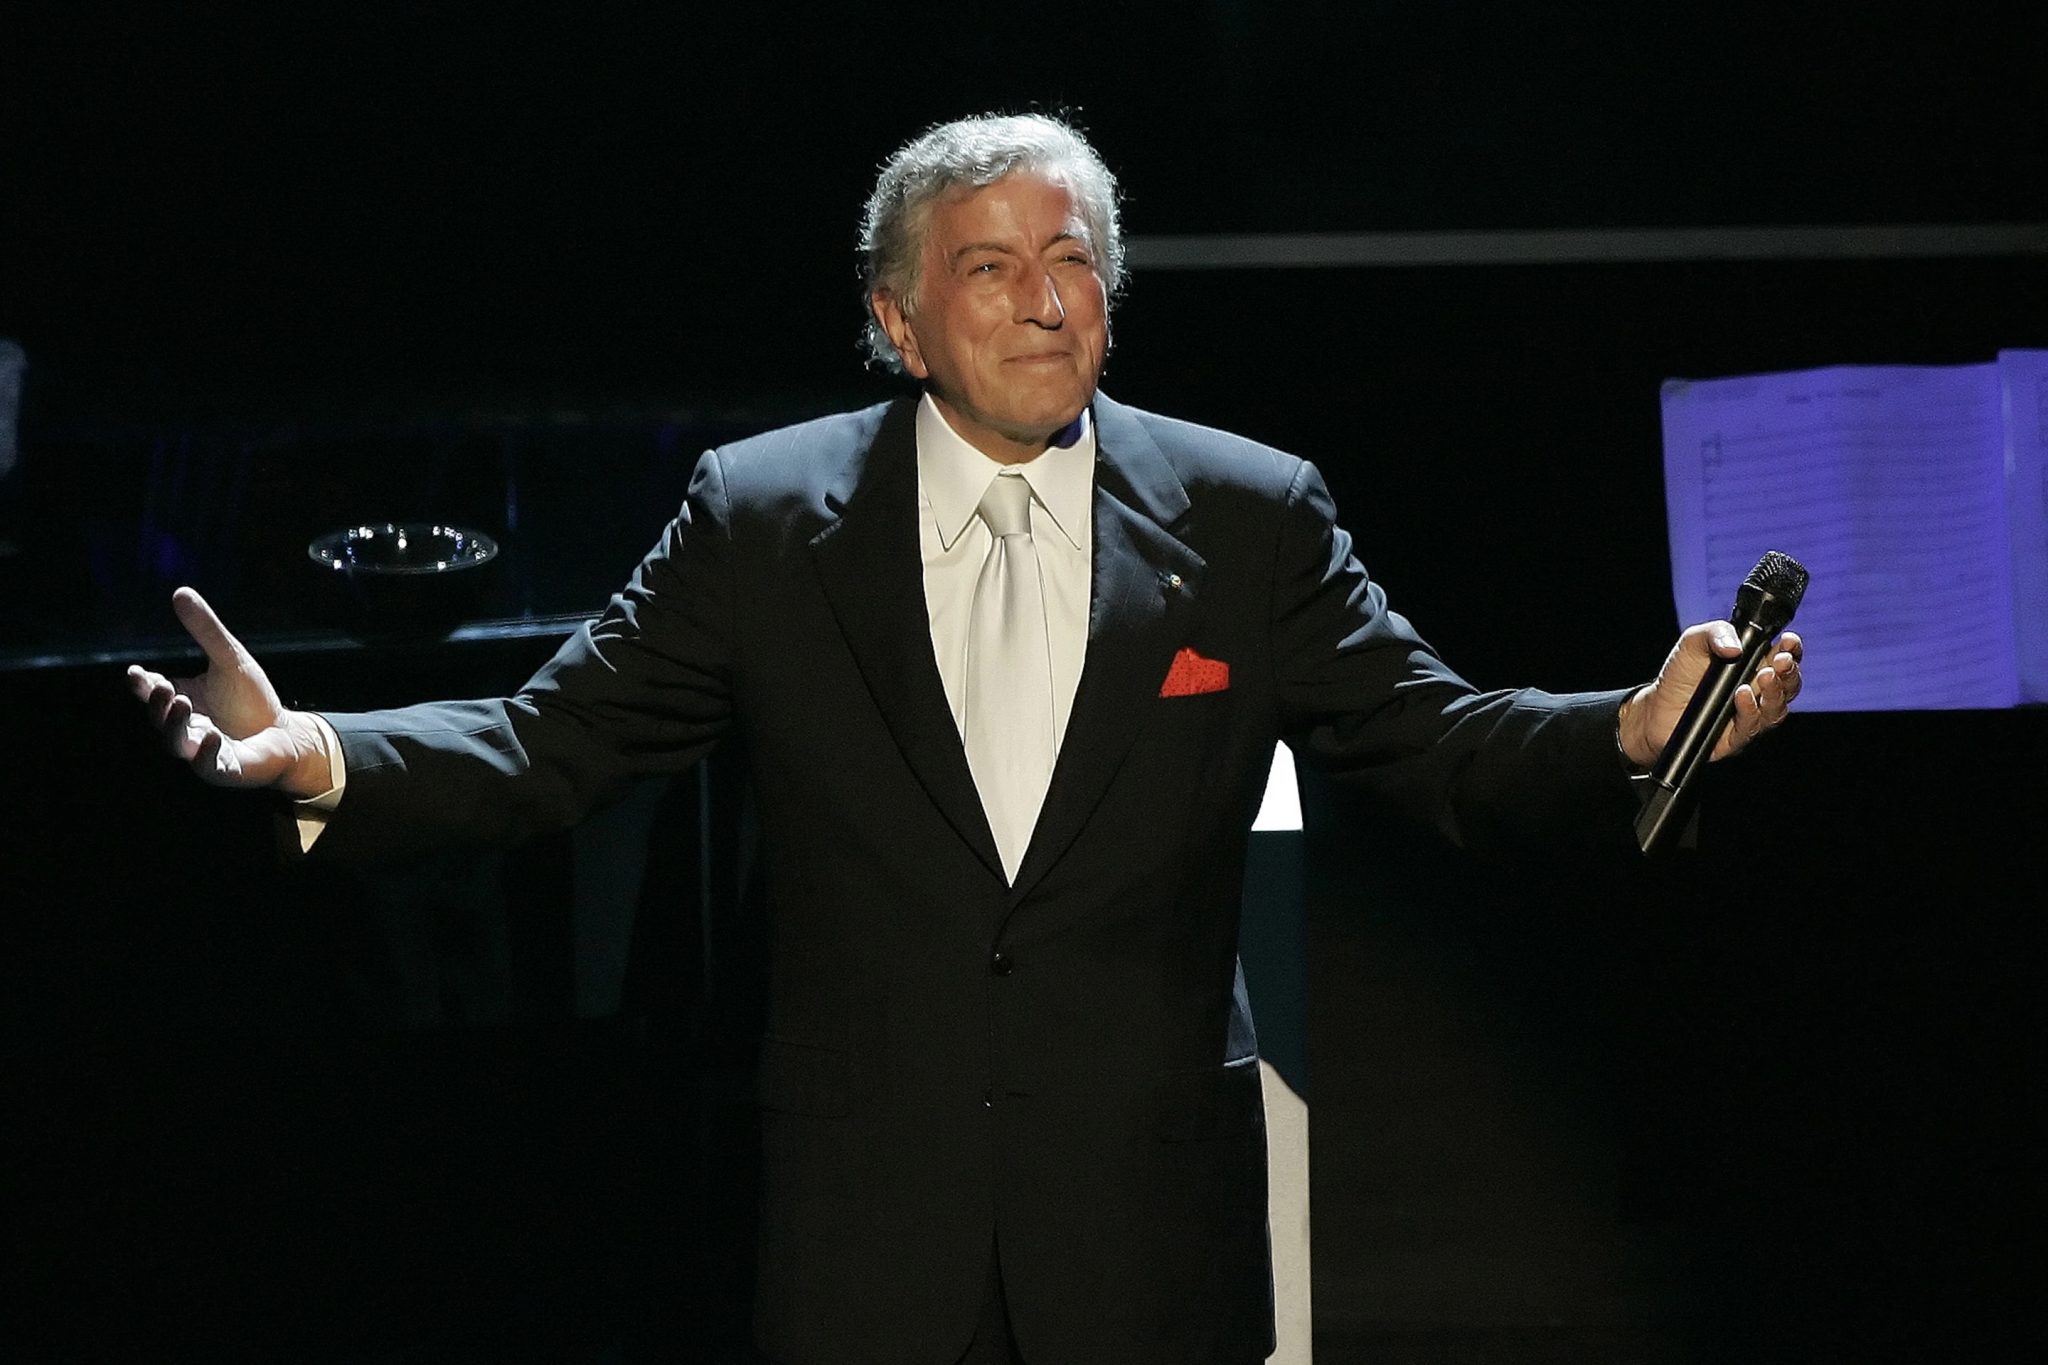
988, 1099
1002, 964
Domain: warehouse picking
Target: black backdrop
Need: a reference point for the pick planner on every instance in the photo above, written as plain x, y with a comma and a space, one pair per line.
1775, 1094
215, 204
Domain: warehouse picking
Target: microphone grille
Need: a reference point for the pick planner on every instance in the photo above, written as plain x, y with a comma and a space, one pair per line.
1780, 576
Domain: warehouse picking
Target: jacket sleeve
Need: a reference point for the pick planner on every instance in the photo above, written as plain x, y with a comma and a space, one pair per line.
644, 689
1366, 699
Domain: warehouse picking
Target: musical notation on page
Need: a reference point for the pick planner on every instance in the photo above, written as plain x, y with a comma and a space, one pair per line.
1917, 497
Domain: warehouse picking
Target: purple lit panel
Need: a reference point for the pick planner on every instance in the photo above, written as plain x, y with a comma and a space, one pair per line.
1914, 494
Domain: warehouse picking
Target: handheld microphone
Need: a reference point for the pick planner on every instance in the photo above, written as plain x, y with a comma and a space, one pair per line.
1763, 607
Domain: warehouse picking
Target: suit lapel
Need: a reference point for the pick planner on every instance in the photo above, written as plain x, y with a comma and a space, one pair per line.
872, 572
1145, 581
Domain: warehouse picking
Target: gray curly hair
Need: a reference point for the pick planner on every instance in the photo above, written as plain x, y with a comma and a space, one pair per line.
970, 153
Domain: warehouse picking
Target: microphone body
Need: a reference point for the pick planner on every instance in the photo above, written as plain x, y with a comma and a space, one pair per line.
1763, 607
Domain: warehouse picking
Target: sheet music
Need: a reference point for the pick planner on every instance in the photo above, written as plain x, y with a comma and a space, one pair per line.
2025, 381
1888, 483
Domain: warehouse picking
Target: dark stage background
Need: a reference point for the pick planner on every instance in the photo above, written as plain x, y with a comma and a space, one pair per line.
281, 269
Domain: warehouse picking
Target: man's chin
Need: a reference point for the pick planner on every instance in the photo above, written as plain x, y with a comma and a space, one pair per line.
1044, 423
1043, 434
1035, 425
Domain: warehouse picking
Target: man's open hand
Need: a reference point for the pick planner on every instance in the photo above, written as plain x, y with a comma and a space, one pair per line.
227, 723
1649, 717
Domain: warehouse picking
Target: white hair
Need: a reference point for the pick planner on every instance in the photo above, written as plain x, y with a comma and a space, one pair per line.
970, 153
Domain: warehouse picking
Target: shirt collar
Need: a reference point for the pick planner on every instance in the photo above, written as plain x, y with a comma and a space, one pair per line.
954, 475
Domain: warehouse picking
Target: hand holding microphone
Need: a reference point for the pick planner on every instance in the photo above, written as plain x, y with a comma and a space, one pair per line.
1764, 605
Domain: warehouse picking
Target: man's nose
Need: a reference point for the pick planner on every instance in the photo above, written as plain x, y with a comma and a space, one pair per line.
1039, 301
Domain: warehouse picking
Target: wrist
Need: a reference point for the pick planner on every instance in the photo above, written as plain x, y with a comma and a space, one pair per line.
311, 773
1629, 737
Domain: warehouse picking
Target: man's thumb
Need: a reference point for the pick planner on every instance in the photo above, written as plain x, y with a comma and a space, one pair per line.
213, 638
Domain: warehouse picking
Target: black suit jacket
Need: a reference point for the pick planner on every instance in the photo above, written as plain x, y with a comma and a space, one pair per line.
1065, 1066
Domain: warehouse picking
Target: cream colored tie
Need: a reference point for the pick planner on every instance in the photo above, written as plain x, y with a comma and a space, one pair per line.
1009, 675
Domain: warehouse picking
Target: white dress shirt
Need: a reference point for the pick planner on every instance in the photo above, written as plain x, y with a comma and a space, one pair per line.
952, 476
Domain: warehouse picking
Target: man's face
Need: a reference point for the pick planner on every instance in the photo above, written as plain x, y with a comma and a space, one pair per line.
1012, 321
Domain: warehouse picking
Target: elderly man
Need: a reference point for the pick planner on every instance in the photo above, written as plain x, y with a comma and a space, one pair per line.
1010, 660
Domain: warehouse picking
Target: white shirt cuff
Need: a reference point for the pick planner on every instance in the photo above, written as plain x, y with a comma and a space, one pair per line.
312, 812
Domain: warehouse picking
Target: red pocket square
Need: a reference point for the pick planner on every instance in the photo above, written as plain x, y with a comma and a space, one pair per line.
1192, 675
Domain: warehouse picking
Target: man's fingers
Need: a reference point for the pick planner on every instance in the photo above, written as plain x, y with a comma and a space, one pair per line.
1762, 701
1769, 690
1749, 713
194, 739
1786, 662
1745, 719
198, 741
206, 756
1778, 683
153, 690
176, 723
161, 694
213, 638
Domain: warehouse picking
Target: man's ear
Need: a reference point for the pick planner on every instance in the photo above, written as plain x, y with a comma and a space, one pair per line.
896, 323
